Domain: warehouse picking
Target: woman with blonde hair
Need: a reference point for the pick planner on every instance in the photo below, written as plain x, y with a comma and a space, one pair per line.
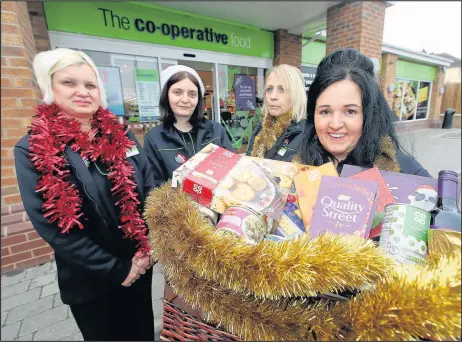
279, 135
83, 178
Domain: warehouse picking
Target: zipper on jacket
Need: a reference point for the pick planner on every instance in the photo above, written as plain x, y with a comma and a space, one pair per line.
88, 195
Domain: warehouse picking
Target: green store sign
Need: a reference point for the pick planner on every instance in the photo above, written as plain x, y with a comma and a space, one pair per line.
148, 23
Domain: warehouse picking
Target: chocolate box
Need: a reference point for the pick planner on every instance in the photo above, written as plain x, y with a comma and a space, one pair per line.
344, 206
219, 179
384, 196
408, 189
307, 183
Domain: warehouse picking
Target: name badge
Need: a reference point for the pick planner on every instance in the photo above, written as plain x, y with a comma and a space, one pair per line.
282, 151
132, 152
86, 161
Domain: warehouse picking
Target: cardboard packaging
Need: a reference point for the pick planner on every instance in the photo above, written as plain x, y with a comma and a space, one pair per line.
344, 206
384, 197
219, 179
307, 183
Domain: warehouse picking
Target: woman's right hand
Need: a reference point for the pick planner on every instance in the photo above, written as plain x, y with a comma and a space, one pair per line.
134, 274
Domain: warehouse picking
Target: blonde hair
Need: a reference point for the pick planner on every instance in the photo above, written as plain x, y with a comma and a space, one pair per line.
46, 63
293, 82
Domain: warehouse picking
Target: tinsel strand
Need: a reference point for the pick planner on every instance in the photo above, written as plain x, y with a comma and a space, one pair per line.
406, 303
50, 133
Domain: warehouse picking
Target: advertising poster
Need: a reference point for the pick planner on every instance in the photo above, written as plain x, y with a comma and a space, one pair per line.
309, 73
148, 91
404, 101
113, 86
244, 88
423, 96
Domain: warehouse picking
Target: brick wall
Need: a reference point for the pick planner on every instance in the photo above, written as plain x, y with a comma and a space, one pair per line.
39, 25
357, 25
21, 246
287, 49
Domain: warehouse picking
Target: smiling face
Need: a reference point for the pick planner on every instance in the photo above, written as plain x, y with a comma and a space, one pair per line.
183, 97
339, 118
76, 92
277, 96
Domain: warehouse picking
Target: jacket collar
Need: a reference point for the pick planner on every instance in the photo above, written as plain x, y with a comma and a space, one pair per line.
169, 130
386, 160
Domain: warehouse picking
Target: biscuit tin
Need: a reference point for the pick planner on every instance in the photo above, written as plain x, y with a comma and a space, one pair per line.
405, 233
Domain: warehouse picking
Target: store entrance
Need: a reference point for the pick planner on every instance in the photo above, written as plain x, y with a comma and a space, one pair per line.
205, 71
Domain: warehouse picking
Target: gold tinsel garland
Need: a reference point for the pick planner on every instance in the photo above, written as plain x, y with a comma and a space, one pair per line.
250, 290
272, 128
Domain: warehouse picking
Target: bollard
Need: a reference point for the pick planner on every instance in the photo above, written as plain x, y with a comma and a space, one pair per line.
448, 117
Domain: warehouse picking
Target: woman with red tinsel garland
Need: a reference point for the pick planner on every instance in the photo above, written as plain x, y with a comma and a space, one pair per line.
83, 178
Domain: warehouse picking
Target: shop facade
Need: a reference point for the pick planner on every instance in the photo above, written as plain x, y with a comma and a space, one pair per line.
133, 42
410, 80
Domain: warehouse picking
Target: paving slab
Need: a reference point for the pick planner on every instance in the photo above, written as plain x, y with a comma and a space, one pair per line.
50, 289
13, 277
9, 332
38, 271
43, 280
42, 320
57, 331
20, 299
15, 289
29, 309
27, 337
57, 301
76, 337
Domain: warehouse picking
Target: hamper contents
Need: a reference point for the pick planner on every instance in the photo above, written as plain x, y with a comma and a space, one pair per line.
405, 233
218, 179
445, 214
307, 183
243, 222
384, 197
409, 189
344, 206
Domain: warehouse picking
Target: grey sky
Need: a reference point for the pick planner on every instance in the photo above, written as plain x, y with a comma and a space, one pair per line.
431, 25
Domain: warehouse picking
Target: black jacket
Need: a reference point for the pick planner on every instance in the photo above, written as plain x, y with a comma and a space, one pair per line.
407, 164
92, 260
288, 144
166, 150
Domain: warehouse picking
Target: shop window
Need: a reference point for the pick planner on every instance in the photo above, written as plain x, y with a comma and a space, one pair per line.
241, 100
410, 99
140, 84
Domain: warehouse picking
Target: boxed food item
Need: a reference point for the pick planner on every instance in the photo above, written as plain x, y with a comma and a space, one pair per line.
219, 179
384, 197
307, 183
344, 206
290, 224
408, 189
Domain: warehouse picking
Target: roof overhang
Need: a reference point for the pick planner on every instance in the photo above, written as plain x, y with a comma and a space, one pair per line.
415, 56
297, 17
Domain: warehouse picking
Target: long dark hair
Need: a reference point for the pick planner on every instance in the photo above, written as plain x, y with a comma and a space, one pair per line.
350, 58
377, 115
167, 115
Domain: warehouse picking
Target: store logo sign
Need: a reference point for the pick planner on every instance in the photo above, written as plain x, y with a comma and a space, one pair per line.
146, 26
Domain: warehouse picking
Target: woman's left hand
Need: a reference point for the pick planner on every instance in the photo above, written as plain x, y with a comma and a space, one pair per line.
144, 262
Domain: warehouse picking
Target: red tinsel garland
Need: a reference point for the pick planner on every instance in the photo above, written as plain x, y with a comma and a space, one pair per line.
51, 131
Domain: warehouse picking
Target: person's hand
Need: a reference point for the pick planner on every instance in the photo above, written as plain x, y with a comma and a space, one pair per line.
134, 274
143, 262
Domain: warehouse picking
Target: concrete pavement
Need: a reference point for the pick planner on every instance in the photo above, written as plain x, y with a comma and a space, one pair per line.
32, 309
31, 306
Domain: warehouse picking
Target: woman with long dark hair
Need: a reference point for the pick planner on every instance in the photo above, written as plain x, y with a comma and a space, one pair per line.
184, 131
350, 122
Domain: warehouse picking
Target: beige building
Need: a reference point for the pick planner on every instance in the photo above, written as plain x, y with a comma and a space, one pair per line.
454, 71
